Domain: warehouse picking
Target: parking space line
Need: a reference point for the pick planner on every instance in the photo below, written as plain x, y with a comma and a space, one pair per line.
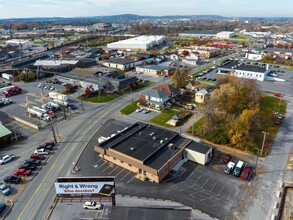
204, 183
197, 179
119, 173
221, 190
191, 194
114, 169
101, 165
213, 187
230, 195
104, 164
126, 175
207, 198
131, 179
106, 168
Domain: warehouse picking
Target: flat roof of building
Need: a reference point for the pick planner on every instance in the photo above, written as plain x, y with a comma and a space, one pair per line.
139, 40
157, 67
241, 66
199, 147
126, 213
280, 50
122, 61
152, 145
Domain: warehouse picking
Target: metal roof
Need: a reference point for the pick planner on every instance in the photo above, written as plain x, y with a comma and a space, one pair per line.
4, 131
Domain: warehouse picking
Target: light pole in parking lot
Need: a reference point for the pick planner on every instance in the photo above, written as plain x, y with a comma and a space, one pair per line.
263, 142
255, 169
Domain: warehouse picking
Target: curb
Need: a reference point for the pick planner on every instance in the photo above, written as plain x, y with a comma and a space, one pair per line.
12, 204
52, 208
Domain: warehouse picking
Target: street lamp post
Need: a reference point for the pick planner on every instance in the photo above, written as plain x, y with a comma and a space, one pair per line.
263, 142
255, 169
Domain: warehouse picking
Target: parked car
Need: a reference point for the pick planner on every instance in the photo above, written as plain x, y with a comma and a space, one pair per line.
48, 81
42, 151
71, 106
45, 146
51, 88
27, 166
22, 172
7, 158
46, 87
2, 207
280, 117
145, 111
12, 179
278, 121
5, 189
40, 85
37, 157
245, 174
226, 159
230, 167
92, 205
138, 110
33, 161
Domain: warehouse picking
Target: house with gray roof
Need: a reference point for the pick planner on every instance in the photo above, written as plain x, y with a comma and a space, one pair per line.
155, 98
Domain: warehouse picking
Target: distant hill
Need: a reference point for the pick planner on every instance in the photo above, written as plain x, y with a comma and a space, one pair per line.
134, 17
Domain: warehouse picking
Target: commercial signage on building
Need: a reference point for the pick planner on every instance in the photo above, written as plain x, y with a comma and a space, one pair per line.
84, 186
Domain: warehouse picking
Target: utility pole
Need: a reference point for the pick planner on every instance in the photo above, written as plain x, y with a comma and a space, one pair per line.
255, 169
263, 142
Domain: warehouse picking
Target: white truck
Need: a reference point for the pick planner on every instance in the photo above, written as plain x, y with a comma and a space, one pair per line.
57, 97
39, 114
7, 76
230, 167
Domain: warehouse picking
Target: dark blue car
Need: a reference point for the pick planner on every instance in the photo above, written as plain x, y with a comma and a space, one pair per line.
2, 207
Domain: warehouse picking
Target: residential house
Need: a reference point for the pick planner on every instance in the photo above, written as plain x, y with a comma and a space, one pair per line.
201, 96
192, 59
195, 85
172, 91
155, 70
155, 98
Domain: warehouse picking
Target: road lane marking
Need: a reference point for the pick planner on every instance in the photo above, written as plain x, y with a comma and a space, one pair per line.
66, 146
51, 169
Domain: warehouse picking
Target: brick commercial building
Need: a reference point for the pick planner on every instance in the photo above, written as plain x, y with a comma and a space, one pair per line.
149, 151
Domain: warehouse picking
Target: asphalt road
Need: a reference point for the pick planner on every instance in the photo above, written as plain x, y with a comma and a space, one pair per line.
37, 197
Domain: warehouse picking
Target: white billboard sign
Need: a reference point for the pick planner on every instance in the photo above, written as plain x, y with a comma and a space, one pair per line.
85, 188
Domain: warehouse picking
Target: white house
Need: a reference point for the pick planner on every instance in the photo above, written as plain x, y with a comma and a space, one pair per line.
253, 56
192, 59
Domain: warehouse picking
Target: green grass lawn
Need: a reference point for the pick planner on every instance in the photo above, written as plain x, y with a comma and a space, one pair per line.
268, 107
162, 118
241, 36
129, 108
102, 98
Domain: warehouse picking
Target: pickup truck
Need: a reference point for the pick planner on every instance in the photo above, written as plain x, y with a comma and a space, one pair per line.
22, 172
229, 168
42, 151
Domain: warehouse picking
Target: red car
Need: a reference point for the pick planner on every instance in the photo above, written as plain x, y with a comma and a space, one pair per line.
278, 121
278, 95
22, 172
245, 174
226, 159
37, 157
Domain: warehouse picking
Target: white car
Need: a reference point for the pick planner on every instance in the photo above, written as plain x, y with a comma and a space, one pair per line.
7, 158
138, 110
42, 152
92, 205
145, 111
40, 85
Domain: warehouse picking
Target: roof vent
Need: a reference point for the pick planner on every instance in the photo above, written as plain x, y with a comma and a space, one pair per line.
166, 139
152, 133
139, 133
132, 148
161, 141
154, 137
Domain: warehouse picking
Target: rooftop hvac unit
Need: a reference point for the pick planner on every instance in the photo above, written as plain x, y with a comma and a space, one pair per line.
161, 141
132, 148
154, 137
152, 133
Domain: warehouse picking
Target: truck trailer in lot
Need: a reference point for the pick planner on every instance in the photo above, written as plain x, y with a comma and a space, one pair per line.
8, 76
39, 114
58, 97
11, 90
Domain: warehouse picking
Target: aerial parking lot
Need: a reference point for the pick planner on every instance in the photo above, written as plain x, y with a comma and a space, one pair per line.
206, 188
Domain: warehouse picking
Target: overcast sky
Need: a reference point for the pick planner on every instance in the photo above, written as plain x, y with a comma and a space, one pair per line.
72, 8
